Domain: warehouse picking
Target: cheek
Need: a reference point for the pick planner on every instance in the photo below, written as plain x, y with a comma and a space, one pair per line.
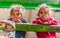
12, 17
40, 15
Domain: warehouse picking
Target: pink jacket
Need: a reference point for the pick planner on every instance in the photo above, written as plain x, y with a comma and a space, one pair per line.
49, 21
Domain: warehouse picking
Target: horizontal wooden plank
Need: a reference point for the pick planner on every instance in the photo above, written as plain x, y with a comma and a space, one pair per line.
37, 28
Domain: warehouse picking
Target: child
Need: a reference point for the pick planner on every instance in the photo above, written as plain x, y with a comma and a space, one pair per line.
8, 27
45, 18
16, 16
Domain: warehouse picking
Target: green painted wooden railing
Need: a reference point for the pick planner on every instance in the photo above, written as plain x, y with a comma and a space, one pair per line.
37, 28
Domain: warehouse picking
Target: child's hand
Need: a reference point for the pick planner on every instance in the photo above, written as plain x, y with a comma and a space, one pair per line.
16, 20
40, 21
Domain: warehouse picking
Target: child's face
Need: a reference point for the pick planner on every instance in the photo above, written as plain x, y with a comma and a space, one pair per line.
16, 15
44, 14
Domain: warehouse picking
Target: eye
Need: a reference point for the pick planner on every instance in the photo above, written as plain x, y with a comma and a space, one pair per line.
41, 12
45, 12
18, 14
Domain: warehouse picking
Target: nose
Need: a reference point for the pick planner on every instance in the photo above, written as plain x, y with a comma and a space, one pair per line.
15, 15
43, 14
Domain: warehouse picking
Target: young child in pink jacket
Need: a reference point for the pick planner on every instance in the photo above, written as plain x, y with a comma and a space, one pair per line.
45, 18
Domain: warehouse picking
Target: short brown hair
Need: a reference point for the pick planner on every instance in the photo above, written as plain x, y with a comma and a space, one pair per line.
14, 10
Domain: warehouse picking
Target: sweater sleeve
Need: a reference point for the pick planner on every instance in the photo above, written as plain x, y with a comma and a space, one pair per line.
54, 22
23, 20
36, 21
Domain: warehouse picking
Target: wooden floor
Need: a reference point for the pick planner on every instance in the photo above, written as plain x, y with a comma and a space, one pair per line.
28, 35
